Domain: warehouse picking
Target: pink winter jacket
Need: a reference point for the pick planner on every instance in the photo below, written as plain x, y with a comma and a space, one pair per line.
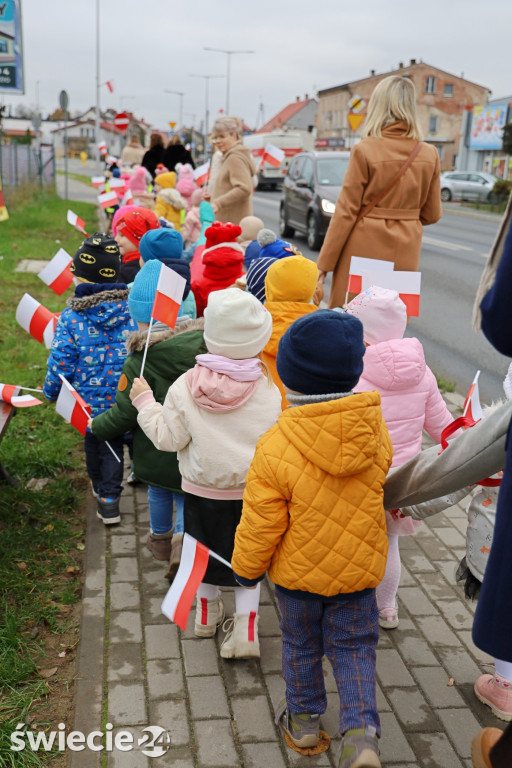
410, 399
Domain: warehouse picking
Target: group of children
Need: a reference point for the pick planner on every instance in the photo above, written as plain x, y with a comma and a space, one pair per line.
264, 427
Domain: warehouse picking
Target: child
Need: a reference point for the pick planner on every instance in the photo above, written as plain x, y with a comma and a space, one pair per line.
170, 353
169, 203
271, 249
222, 262
138, 184
289, 287
88, 349
411, 402
186, 184
191, 229
313, 517
166, 245
130, 227
213, 417
250, 226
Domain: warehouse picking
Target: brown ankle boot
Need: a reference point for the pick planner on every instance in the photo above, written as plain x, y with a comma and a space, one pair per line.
160, 545
174, 561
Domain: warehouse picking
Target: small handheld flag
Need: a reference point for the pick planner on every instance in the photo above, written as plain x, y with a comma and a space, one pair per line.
108, 199
202, 174
166, 306
358, 265
472, 407
57, 274
102, 148
273, 155
72, 407
36, 320
128, 198
408, 285
98, 181
76, 222
110, 86
7, 394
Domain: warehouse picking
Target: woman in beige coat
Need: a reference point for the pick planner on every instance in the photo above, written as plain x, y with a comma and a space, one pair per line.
231, 194
392, 230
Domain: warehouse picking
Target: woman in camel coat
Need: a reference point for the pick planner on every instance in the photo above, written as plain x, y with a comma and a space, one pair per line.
392, 231
231, 195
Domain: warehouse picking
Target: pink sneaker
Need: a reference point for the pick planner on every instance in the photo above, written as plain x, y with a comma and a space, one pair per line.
496, 692
388, 618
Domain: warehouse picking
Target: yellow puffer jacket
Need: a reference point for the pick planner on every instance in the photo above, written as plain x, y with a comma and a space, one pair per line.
284, 313
313, 513
171, 205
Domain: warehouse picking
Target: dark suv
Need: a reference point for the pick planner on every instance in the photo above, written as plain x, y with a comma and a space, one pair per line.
310, 190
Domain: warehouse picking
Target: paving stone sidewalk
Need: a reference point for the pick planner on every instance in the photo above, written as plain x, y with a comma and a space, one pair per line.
136, 669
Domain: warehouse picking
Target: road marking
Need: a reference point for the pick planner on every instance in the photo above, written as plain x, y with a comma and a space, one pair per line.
448, 246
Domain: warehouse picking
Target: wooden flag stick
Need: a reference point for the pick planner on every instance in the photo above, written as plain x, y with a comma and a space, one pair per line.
105, 441
146, 348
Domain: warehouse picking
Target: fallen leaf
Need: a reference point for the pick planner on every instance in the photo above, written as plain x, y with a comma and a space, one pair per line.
47, 672
71, 569
48, 527
21, 565
15, 246
80, 546
451, 681
62, 654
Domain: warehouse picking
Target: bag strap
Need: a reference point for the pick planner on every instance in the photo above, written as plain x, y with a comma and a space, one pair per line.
366, 210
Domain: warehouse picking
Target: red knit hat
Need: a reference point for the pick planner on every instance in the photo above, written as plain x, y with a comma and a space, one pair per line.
221, 233
135, 223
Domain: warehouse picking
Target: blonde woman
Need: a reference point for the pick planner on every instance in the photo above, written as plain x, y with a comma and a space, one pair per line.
231, 192
393, 228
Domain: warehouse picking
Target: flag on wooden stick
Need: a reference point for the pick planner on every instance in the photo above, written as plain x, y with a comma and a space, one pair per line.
358, 265
7, 394
408, 285
472, 407
36, 320
72, 407
57, 274
76, 222
273, 155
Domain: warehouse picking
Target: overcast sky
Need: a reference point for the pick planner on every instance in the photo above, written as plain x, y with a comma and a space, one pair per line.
299, 47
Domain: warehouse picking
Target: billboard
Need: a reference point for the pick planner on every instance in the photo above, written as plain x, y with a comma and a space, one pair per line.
487, 126
11, 49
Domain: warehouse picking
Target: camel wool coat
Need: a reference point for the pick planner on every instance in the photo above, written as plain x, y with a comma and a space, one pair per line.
233, 185
392, 231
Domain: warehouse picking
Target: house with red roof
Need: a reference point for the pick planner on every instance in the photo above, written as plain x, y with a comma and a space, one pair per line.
298, 116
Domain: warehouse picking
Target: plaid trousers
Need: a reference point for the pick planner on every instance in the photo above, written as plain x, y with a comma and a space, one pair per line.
346, 630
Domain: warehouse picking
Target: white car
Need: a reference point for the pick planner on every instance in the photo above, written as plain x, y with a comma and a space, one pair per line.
466, 185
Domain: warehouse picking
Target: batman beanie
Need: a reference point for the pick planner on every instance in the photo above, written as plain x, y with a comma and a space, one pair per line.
98, 260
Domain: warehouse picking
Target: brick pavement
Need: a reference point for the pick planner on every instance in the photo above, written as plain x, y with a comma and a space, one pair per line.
135, 668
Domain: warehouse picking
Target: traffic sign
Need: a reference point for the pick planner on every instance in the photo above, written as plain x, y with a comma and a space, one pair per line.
173, 125
355, 121
121, 121
63, 100
357, 104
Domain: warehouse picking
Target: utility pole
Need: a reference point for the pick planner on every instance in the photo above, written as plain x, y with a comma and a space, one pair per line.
180, 94
228, 76
207, 79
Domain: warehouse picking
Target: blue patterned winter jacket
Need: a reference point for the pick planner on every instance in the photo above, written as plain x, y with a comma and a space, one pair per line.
89, 344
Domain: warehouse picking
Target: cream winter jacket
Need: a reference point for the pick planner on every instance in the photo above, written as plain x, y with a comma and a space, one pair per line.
215, 449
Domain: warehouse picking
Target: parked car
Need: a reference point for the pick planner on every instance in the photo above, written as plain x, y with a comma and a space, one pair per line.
310, 190
466, 185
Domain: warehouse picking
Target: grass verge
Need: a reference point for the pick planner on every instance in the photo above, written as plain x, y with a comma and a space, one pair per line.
83, 178
41, 531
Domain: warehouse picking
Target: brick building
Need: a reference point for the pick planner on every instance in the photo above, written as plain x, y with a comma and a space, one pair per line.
442, 100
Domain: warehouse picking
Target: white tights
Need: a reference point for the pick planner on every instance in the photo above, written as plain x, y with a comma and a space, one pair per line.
246, 600
387, 589
503, 668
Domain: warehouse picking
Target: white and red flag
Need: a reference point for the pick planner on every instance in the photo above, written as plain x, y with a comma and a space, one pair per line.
57, 274
472, 407
273, 155
108, 199
201, 174
98, 181
110, 86
102, 148
117, 184
36, 320
128, 198
76, 222
358, 265
72, 407
7, 394
168, 297
194, 560
408, 285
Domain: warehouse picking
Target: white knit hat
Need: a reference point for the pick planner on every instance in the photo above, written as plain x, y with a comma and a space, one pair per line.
382, 313
236, 324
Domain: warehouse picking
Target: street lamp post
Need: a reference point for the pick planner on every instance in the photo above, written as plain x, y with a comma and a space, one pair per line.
180, 94
97, 117
228, 53
206, 79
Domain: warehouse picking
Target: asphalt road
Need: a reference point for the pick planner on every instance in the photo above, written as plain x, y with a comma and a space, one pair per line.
453, 256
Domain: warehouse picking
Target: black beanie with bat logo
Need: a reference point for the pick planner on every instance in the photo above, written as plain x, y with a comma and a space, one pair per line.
98, 260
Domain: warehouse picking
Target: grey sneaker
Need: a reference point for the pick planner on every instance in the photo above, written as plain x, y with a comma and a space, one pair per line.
108, 510
303, 730
359, 749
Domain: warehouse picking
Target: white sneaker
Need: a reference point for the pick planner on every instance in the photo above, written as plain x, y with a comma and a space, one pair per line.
241, 641
209, 615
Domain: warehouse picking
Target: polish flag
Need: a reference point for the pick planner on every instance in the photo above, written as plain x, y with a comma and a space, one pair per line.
117, 184
273, 155
102, 148
36, 320
358, 265
110, 86
128, 198
110, 159
57, 274
72, 407
169, 295
76, 222
408, 285
98, 181
201, 174
108, 199
178, 601
472, 408
20, 401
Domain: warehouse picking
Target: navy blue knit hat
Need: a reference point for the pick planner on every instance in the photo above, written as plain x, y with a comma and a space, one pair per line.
162, 243
321, 353
143, 290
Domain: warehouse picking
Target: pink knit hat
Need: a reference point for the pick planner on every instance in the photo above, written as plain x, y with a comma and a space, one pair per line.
138, 181
382, 313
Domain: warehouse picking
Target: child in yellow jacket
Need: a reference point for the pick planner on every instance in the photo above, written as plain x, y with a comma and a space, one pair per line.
313, 516
169, 204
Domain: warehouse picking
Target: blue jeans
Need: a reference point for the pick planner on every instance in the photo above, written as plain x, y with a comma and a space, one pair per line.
346, 630
160, 502
105, 472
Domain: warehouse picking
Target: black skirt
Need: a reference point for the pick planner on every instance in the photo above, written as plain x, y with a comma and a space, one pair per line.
213, 522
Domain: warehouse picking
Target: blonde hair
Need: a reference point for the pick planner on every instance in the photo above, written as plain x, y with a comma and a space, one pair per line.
394, 98
228, 125
174, 140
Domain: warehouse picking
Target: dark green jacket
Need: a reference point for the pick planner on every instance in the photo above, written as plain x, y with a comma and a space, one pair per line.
170, 354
